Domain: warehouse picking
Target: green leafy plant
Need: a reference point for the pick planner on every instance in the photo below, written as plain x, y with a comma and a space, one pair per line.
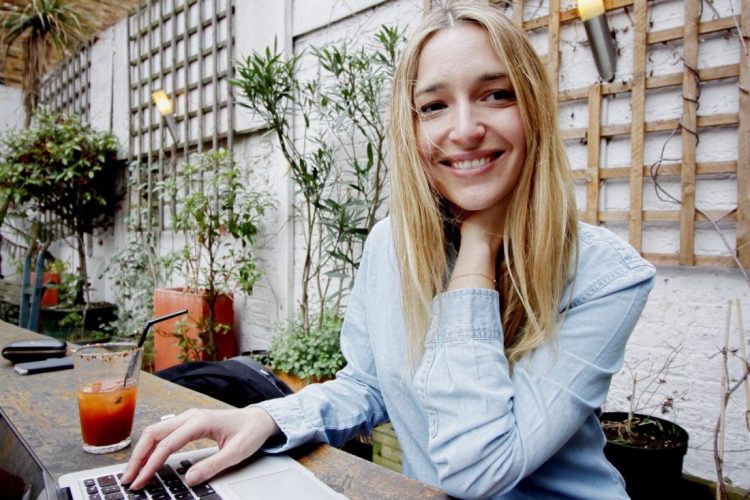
219, 215
338, 160
135, 271
309, 354
43, 27
63, 167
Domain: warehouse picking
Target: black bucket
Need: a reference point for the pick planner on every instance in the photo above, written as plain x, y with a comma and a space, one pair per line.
649, 472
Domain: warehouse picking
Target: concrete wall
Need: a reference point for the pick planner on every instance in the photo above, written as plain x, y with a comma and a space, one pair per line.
688, 306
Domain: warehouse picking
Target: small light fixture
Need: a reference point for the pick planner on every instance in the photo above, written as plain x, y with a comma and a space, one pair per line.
166, 109
597, 30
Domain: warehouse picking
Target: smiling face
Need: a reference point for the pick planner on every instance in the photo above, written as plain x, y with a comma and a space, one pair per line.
469, 129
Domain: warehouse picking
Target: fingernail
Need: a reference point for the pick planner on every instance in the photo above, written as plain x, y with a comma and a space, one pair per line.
193, 477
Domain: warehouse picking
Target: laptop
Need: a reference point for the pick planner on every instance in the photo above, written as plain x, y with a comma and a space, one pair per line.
260, 477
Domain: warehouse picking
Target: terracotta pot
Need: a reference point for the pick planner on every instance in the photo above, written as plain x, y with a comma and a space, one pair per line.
166, 300
294, 382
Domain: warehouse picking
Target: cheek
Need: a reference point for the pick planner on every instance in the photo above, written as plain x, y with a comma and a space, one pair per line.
427, 135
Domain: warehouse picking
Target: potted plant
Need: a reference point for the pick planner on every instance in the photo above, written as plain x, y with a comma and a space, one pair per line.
647, 450
218, 217
61, 167
299, 357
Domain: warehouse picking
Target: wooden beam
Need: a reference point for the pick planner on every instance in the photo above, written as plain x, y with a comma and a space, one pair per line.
518, 12
553, 46
637, 105
743, 146
592, 154
689, 133
666, 216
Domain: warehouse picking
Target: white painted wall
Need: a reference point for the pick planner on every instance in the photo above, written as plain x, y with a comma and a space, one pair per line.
11, 116
687, 306
11, 107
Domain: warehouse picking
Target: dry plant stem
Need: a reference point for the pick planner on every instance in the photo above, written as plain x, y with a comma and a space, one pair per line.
721, 490
745, 363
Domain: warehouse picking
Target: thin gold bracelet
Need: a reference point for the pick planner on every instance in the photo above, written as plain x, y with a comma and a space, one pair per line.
494, 281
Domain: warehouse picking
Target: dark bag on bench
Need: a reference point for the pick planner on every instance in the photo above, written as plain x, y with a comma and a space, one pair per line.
239, 381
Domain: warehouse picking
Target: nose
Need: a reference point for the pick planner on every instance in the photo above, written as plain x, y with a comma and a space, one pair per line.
468, 129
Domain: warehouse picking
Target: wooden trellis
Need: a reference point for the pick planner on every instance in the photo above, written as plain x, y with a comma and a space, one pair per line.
690, 125
183, 47
68, 86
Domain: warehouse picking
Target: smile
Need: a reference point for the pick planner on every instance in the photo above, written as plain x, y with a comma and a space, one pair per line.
473, 164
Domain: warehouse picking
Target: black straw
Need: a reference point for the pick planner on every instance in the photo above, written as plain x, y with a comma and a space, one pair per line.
154, 321
149, 324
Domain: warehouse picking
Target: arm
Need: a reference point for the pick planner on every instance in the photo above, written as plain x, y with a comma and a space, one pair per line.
490, 427
238, 433
329, 412
352, 404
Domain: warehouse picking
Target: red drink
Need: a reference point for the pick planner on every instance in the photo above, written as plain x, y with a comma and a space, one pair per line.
106, 410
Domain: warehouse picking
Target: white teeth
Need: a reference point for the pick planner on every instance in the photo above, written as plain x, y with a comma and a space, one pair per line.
470, 164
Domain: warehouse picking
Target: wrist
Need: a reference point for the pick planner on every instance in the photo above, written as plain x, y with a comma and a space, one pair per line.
263, 420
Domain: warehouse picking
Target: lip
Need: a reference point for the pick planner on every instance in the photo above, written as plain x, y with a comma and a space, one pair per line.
447, 162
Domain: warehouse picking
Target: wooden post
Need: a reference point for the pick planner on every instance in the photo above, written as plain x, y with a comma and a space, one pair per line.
743, 147
637, 99
689, 125
592, 152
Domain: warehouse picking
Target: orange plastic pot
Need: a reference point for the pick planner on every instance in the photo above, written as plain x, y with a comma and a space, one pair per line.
49, 295
166, 349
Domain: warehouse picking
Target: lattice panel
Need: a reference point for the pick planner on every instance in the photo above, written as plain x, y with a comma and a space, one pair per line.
183, 47
642, 85
68, 86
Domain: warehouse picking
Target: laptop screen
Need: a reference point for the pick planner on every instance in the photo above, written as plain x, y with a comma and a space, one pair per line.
21, 472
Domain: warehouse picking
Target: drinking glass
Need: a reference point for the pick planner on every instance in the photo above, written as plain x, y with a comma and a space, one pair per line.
107, 380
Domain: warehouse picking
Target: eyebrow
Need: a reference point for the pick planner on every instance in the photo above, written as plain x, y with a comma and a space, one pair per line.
486, 77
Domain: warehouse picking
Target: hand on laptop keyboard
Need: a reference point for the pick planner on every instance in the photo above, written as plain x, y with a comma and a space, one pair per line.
238, 432
167, 484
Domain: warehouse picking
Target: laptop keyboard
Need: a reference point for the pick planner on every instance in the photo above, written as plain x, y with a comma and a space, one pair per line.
167, 484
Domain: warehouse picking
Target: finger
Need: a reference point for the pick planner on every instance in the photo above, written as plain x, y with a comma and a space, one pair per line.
148, 440
146, 443
160, 441
210, 466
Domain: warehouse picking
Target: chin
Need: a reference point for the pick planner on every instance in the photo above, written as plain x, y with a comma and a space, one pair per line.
474, 205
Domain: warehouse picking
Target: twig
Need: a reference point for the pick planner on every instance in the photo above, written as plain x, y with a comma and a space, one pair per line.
745, 364
721, 488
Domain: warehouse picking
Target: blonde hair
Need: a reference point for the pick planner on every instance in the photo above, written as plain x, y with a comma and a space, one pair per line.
540, 233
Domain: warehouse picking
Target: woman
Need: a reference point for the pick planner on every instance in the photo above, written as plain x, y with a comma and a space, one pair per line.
485, 323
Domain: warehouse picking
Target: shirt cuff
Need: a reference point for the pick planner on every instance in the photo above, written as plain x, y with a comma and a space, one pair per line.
465, 314
288, 415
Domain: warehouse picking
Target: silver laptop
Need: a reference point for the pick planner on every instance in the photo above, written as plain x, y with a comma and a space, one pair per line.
262, 477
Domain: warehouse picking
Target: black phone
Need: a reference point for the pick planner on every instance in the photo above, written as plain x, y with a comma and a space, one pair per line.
34, 350
47, 365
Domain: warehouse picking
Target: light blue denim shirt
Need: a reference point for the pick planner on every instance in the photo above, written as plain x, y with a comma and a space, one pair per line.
466, 422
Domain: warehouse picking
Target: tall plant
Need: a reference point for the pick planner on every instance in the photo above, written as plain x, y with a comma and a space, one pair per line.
43, 27
219, 215
336, 157
64, 167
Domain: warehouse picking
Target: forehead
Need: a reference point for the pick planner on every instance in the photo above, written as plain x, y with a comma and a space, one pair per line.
463, 48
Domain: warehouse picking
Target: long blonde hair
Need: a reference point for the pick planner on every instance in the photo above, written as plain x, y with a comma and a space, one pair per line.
540, 233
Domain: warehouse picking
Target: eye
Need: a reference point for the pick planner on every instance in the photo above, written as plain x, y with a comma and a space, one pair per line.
500, 95
431, 107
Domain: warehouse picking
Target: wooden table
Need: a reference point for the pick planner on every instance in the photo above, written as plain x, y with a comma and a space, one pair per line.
43, 408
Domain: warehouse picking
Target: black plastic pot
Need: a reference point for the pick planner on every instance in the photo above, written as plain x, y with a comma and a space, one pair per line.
649, 472
98, 317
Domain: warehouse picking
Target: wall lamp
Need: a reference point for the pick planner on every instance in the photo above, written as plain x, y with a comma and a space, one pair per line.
600, 38
166, 110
